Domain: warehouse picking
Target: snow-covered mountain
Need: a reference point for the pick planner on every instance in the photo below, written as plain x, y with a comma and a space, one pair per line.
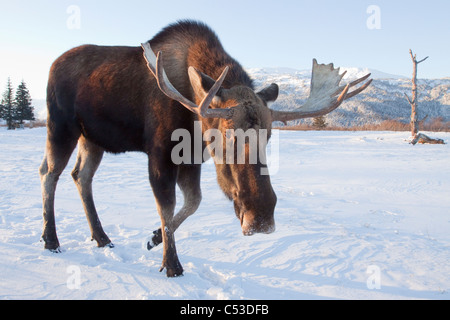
383, 100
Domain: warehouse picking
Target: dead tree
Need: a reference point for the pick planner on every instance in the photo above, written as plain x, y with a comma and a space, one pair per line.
422, 138
414, 101
416, 136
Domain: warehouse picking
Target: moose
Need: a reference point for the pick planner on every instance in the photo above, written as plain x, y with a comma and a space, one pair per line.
120, 99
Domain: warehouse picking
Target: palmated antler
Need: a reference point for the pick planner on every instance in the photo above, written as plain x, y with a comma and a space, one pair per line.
156, 67
326, 94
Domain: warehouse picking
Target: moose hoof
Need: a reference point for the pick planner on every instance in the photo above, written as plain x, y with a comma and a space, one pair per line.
103, 242
105, 245
155, 240
52, 246
109, 245
173, 272
173, 267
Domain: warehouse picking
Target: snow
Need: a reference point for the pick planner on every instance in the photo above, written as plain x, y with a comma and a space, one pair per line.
360, 215
355, 73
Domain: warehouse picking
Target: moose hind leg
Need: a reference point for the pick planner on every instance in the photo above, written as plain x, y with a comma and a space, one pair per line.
88, 159
55, 160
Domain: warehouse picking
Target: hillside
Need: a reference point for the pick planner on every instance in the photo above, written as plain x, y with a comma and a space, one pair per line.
383, 100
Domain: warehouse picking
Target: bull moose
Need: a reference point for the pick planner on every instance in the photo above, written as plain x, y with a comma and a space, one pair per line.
120, 99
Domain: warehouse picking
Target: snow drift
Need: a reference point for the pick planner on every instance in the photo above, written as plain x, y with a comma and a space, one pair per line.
360, 215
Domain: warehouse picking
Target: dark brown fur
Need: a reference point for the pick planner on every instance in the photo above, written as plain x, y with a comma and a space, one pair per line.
105, 99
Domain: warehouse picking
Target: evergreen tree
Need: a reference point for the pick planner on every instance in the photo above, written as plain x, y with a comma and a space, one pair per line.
23, 109
319, 122
8, 105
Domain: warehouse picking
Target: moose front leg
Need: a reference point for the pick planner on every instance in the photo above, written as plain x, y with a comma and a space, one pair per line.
165, 200
170, 258
188, 180
163, 181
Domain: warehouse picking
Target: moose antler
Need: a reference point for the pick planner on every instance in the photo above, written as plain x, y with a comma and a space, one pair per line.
156, 67
325, 95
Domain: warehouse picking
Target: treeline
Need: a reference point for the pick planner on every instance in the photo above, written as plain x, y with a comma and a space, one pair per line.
435, 125
16, 108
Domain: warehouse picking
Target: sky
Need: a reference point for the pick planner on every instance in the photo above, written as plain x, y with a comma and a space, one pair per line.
374, 34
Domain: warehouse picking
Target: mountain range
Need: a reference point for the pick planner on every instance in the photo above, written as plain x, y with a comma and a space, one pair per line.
383, 100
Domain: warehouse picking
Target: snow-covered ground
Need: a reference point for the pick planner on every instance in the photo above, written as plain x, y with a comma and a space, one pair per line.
360, 215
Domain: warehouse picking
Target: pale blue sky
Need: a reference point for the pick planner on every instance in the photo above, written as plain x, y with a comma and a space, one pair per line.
262, 33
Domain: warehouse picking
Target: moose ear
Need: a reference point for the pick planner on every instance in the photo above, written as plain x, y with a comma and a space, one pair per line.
269, 94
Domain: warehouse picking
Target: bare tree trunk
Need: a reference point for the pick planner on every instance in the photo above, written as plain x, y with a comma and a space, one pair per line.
413, 102
418, 137
414, 129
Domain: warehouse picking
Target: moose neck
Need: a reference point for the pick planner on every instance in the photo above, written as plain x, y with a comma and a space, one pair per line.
192, 43
212, 59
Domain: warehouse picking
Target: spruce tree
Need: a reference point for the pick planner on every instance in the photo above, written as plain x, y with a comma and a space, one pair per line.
8, 105
23, 109
319, 122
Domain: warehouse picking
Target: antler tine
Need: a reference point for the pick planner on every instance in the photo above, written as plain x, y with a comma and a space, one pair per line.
149, 57
352, 84
335, 104
343, 95
359, 90
205, 111
168, 89
155, 64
